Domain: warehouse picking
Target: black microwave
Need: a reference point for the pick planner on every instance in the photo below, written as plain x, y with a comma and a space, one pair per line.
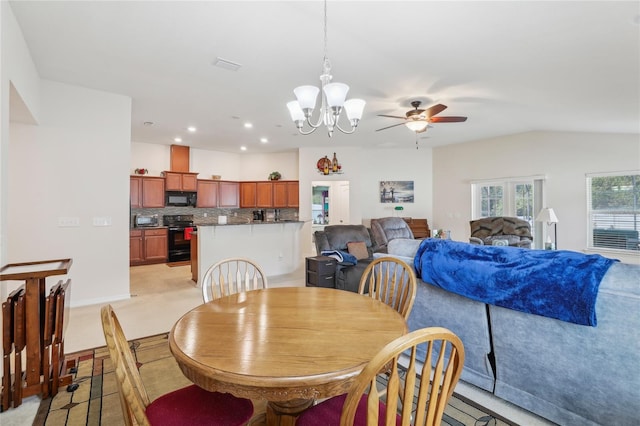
176, 198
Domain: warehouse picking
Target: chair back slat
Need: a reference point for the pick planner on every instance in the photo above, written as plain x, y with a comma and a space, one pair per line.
392, 281
230, 276
433, 380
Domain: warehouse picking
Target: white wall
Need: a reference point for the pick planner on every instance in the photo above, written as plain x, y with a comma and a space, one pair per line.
18, 80
74, 163
564, 158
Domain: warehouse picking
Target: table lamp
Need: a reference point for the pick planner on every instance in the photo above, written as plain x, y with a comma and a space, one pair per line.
548, 215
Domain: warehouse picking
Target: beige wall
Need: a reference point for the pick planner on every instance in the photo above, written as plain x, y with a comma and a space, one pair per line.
563, 158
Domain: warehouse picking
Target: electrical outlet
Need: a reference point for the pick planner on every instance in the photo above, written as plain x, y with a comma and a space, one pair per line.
205, 215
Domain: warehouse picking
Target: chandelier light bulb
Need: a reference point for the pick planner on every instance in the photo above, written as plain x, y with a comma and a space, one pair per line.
417, 126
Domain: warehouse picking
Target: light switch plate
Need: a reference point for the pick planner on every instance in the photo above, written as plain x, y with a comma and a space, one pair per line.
102, 221
67, 222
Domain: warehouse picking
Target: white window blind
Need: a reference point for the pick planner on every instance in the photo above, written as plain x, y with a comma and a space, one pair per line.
613, 209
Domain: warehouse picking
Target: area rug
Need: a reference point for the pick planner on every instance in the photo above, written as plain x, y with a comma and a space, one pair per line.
95, 400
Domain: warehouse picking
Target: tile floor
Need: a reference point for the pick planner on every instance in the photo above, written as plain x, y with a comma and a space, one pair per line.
159, 296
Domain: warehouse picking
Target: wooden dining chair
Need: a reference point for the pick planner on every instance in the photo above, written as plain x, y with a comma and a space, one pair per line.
187, 406
426, 387
392, 281
230, 276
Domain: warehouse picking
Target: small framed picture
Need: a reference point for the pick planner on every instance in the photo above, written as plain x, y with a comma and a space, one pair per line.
400, 191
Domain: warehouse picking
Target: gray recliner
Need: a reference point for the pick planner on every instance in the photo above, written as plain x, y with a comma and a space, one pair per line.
386, 229
501, 230
336, 237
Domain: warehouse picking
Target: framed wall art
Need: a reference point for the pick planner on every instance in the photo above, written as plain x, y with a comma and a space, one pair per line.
400, 191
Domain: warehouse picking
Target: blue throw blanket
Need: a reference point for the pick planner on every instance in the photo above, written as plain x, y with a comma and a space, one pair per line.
554, 283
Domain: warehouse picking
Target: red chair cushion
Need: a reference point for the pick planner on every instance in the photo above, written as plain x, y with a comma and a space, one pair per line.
327, 413
193, 405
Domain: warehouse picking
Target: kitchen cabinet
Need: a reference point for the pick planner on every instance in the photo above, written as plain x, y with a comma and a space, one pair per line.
285, 193
147, 246
228, 194
146, 191
207, 193
177, 181
194, 256
266, 194
179, 158
213, 193
248, 194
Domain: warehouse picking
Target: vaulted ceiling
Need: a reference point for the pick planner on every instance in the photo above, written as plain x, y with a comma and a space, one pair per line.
510, 67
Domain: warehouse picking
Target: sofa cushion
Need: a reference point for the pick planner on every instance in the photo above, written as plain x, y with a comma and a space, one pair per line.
358, 249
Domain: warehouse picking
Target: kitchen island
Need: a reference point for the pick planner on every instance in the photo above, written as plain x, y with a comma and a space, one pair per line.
275, 246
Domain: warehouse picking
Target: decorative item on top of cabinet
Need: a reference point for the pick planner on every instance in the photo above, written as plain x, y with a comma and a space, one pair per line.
275, 176
146, 191
177, 181
141, 171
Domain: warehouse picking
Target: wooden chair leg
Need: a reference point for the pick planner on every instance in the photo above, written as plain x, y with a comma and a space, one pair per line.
19, 334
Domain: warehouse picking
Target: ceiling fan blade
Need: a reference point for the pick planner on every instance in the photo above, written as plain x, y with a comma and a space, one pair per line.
436, 109
391, 116
388, 127
448, 119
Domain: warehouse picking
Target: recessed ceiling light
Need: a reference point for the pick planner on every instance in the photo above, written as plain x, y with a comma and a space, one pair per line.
243, 148
177, 140
264, 140
248, 125
191, 129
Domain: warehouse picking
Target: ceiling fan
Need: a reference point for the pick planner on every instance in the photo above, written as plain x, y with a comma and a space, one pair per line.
419, 119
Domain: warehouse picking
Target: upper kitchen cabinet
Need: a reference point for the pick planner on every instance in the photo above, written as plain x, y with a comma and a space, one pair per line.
285, 193
248, 194
207, 193
179, 158
146, 191
264, 194
228, 194
176, 181
213, 193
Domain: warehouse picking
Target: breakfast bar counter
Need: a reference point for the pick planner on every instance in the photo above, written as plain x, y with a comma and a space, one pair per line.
275, 246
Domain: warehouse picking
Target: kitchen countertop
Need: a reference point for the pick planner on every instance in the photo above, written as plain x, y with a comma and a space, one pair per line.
257, 222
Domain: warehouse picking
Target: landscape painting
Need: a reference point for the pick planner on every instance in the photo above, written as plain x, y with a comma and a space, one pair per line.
396, 191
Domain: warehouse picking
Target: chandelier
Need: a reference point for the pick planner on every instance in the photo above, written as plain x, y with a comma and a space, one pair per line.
333, 100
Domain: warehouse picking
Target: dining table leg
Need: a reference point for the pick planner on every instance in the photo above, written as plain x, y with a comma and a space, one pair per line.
284, 413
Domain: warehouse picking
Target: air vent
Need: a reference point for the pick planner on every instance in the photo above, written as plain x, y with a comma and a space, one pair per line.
226, 64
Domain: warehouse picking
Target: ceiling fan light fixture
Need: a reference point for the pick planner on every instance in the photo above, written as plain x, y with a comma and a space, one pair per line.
417, 126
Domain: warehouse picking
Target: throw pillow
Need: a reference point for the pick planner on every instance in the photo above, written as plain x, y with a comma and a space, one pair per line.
358, 249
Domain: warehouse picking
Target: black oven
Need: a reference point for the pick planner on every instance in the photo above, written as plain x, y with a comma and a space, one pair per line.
179, 232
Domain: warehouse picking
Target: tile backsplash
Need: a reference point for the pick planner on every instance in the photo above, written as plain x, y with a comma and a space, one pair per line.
233, 215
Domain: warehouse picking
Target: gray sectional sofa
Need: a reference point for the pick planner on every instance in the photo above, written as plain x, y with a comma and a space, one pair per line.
567, 373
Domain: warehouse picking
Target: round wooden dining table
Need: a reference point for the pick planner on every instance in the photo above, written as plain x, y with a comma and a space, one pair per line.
288, 345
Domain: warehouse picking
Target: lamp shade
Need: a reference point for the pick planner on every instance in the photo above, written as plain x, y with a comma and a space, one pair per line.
336, 94
547, 215
354, 108
306, 96
296, 112
417, 125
